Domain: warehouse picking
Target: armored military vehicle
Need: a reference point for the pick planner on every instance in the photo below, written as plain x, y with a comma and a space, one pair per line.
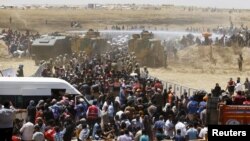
49, 47
148, 51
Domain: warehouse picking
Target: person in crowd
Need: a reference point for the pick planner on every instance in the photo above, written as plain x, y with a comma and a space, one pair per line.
159, 124
178, 136
217, 90
20, 71
16, 136
38, 135
31, 111
96, 129
69, 129
230, 86
181, 126
247, 101
6, 122
125, 136
192, 108
58, 136
169, 127
50, 131
192, 133
93, 113
202, 105
27, 131
239, 98
84, 134
203, 132
160, 135
41, 124
238, 86
144, 136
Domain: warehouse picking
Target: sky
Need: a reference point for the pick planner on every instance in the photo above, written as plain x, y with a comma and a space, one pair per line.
237, 4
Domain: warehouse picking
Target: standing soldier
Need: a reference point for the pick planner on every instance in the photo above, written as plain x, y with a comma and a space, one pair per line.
165, 59
50, 64
20, 71
240, 61
10, 20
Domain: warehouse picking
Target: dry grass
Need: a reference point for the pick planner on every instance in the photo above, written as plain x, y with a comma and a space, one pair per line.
172, 17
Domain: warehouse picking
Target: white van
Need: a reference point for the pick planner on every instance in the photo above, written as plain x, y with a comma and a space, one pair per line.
20, 90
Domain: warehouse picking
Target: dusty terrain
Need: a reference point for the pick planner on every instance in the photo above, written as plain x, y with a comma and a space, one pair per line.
194, 68
6, 61
178, 18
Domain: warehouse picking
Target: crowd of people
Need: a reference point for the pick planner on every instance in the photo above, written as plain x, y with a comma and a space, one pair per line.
120, 101
235, 93
18, 43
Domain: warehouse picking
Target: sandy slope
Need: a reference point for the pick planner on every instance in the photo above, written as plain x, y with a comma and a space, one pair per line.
195, 69
7, 62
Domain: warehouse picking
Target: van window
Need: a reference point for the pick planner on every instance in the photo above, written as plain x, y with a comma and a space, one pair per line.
11, 98
27, 99
57, 93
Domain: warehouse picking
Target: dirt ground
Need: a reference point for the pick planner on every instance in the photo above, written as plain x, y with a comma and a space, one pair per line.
193, 68
6, 61
178, 18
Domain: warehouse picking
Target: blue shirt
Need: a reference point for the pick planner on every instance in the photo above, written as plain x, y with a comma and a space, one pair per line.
192, 134
144, 138
179, 138
95, 129
122, 96
159, 124
202, 106
192, 107
58, 137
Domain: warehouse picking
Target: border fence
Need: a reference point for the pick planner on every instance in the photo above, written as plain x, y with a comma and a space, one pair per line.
177, 88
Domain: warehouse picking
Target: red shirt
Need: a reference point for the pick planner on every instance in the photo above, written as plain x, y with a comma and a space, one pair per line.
49, 134
238, 100
92, 112
247, 102
15, 138
158, 85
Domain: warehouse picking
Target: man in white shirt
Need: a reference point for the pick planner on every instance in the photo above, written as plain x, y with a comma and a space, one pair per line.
7, 116
238, 86
125, 136
203, 133
110, 110
119, 114
84, 134
27, 131
180, 125
169, 127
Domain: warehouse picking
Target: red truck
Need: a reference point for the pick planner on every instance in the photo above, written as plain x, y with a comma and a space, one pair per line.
234, 115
